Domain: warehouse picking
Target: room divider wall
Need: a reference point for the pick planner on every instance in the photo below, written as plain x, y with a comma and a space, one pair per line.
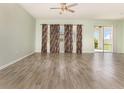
55, 38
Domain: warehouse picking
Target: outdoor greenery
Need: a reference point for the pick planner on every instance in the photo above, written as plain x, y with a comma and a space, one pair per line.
96, 43
106, 46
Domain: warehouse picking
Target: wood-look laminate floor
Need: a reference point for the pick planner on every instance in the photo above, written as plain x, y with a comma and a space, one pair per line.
100, 70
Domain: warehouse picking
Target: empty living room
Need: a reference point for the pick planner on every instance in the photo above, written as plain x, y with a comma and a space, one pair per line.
62, 45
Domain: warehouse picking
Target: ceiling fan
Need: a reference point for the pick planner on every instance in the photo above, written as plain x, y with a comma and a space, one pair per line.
65, 7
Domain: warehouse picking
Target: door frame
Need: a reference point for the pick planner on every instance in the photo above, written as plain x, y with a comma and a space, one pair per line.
103, 38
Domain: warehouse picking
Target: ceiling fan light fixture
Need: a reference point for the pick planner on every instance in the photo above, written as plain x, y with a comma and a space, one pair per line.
65, 8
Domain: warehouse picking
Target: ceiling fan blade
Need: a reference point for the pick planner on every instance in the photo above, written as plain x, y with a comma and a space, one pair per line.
72, 5
55, 8
70, 10
62, 3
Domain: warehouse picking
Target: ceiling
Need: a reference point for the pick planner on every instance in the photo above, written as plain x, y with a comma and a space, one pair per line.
82, 11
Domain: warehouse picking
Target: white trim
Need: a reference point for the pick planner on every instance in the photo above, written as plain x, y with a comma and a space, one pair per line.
38, 50
17, 60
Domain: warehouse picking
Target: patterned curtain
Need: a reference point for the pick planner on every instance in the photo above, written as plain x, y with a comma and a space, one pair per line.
44, 38
68, 38
54, 38
79, 39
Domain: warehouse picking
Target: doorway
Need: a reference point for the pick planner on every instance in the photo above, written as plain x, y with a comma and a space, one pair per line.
103, 39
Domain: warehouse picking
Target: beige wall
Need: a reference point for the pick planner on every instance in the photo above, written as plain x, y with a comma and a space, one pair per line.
17, 33
88, 34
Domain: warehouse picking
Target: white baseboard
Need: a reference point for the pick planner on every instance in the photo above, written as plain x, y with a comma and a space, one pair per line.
8, 64
37, 50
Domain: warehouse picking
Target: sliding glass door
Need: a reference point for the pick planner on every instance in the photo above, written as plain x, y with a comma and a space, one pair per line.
103, 39
108, 40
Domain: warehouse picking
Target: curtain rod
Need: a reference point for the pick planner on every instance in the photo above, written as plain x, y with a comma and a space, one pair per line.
65, 24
